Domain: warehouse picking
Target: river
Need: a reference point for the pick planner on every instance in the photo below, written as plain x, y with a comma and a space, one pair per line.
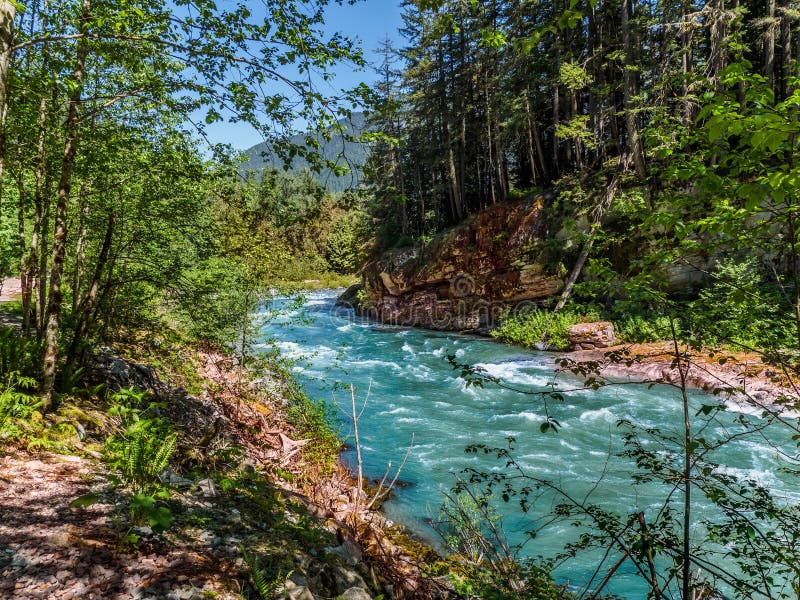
414, 391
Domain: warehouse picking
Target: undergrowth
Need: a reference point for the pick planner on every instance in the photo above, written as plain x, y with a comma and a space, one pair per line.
138, 453
535, 327
313, 419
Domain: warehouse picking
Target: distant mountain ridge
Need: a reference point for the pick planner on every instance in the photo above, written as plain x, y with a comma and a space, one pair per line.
338, 149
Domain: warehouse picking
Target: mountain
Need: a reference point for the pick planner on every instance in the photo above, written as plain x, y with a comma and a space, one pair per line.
338, 149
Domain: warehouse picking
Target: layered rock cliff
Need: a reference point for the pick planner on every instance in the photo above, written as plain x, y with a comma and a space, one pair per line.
467, 276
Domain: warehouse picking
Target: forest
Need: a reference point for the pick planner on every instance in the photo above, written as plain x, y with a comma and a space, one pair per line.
154, 281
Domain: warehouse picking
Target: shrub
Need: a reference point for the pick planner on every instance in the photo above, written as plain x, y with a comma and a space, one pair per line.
738, 308
17, 408
18, 354
640, 329
138, 454
531, 327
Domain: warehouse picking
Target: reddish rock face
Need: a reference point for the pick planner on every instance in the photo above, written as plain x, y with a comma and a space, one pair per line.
468, 276
589, 336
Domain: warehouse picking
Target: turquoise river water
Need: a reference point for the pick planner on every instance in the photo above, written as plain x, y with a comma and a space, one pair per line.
415, 391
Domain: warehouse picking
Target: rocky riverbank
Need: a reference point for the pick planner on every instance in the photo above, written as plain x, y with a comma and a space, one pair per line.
468, 276
747, 380
272, 507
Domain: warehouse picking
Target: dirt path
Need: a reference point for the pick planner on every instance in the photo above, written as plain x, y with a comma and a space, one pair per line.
10, 289
49, 550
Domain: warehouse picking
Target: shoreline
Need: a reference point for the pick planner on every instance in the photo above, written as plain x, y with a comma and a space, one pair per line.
243, 403
743, 379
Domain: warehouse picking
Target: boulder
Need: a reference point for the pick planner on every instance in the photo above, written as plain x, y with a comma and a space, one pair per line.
348, 578
349, 298
588, 336
355, 593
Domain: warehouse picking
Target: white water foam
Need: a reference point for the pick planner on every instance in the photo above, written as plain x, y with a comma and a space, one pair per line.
526, 415
510, 372
376, 363
395, 411
603, 413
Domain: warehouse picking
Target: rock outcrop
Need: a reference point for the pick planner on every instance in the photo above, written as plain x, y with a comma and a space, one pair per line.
588, 336
467, 277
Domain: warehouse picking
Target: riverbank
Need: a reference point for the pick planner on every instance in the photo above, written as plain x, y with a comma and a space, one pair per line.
256, 501
743, 378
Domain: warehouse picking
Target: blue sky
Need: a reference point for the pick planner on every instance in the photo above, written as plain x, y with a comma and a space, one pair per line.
367, 21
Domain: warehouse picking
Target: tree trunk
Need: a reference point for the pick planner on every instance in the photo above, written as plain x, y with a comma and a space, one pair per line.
41, 196
716, 60
80, 250
529, 131
41, 301
490, 144
25, 275
8, 13
769, 44
786, 44
455, 189
686, 60
600, 211
629, 90
500, 161
537, 138
55, 298
87, 304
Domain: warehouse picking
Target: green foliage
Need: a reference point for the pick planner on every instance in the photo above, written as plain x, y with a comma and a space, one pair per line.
737, 308
266, 584
534, 327
284, 228
217, 299
573, 76
483, 563
144, 444
640, 329
144, 452
17, 408
18, 354
145, 508
138, 454
343, 249
22, 421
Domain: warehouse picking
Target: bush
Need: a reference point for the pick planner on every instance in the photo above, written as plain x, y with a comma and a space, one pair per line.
139, 453
531, 327
18, 354
640, 329
738, 308
215, 301
16, 407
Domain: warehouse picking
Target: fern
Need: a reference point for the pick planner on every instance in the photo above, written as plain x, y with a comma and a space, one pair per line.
265, 587
17, 408
145, 455
142, 454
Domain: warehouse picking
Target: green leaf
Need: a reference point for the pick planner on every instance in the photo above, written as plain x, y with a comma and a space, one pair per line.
85, 501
